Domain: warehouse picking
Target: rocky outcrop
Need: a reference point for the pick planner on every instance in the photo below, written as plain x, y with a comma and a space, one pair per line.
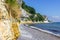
8, 27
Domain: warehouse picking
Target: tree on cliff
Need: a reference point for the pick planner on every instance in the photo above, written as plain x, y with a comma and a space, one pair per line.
29, 9
34, 16
12, 7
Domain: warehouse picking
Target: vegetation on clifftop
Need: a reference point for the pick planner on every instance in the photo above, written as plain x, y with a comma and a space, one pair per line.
28, 8
34, 16
13, 8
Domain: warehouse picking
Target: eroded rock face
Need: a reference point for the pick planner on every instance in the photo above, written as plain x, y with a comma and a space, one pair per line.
8, 28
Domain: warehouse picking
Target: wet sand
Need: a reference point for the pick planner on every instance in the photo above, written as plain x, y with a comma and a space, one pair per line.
29, 33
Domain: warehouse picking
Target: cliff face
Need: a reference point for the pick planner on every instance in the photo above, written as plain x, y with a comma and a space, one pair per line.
8, 24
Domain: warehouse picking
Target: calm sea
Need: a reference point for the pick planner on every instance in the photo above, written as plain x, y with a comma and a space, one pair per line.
52, 27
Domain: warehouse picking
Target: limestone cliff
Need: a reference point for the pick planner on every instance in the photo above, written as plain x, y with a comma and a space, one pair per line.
9, 21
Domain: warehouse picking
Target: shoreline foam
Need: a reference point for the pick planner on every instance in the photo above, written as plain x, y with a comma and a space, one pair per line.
58, 35
35, 34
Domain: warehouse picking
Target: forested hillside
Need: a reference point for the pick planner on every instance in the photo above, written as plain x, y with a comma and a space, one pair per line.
34, 16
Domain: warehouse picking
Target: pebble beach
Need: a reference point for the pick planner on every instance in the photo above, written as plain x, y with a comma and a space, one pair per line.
29, 33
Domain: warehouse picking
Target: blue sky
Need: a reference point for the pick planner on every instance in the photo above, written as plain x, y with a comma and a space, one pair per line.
51, 8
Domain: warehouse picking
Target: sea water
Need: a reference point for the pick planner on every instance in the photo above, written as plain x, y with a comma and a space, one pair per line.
51, 27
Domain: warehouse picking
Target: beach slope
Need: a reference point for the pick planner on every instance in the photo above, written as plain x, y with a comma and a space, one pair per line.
28, 33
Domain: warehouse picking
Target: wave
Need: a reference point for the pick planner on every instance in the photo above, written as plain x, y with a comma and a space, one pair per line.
58, 35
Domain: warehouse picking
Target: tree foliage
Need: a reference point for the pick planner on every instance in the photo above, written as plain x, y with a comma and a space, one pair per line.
40, 17
13, 9
28, 8
35, 16
12, 6
11, 2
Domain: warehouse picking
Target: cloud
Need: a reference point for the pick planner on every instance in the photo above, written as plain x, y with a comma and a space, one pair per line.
56, 17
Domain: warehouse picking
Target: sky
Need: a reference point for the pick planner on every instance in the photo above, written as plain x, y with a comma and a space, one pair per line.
50, 8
